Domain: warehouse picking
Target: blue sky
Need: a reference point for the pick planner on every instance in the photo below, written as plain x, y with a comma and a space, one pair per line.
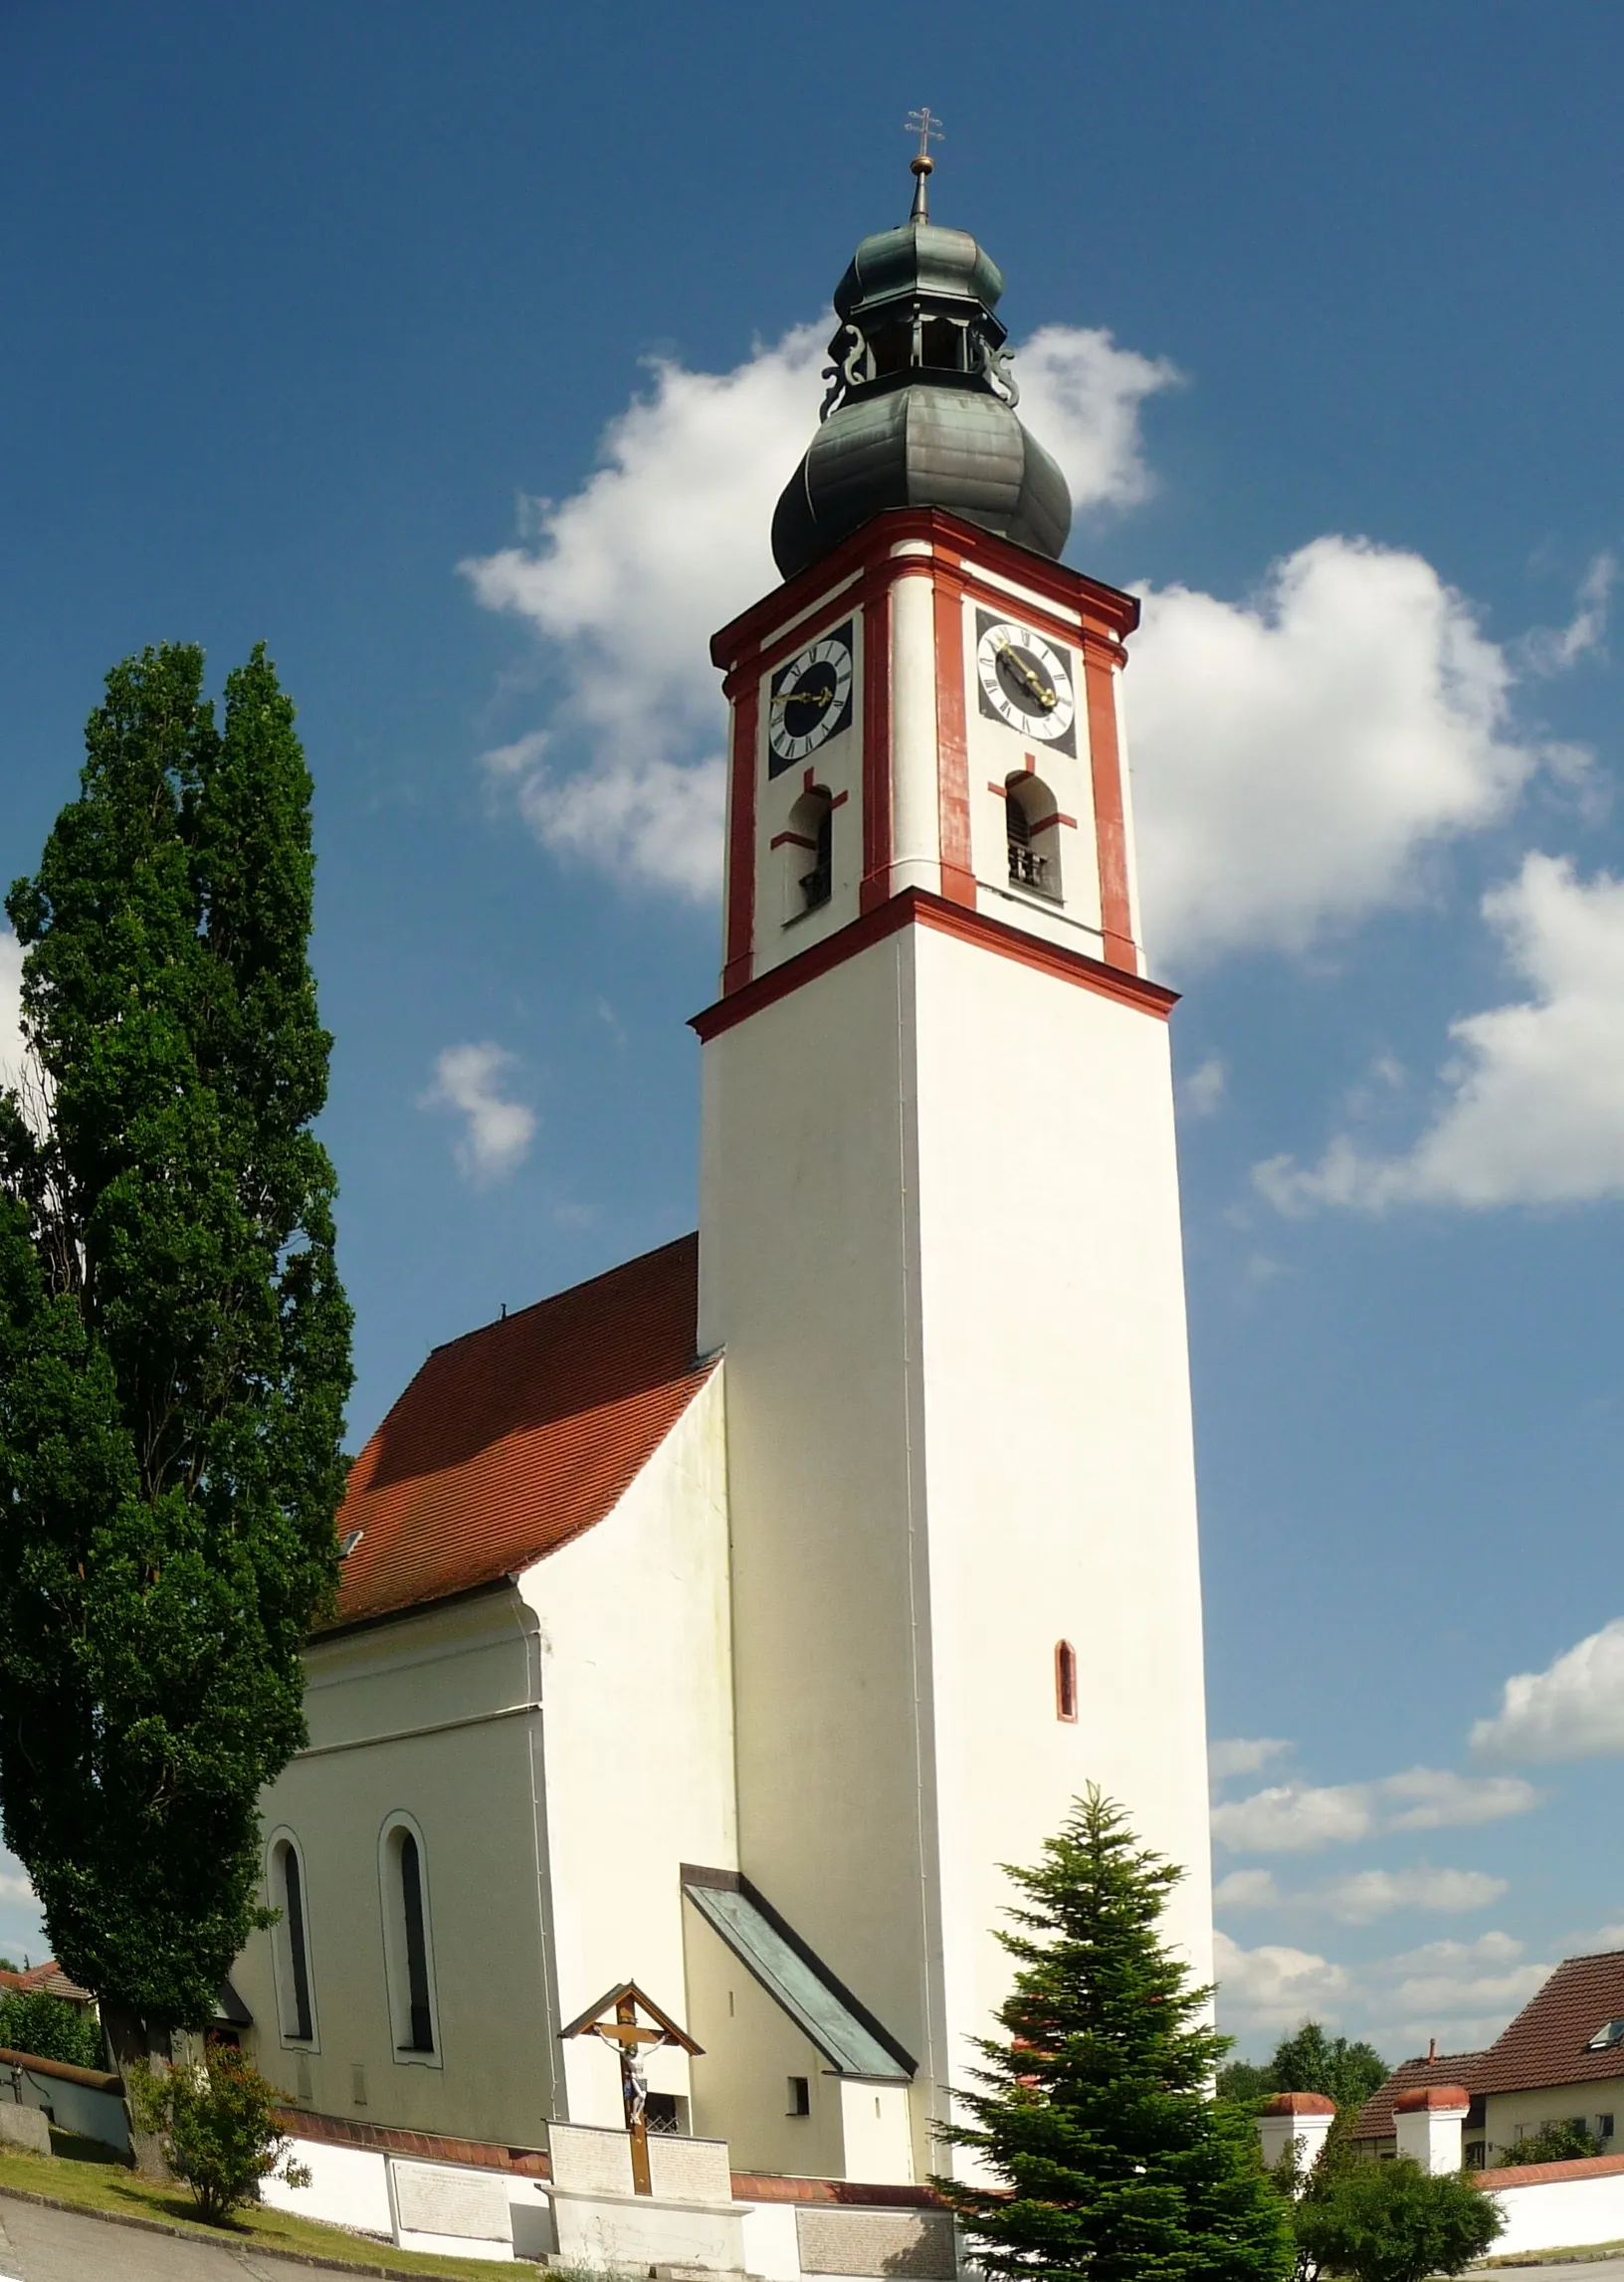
460, 353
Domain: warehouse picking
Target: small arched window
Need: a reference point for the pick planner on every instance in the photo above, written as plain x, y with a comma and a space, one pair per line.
291, 1941
1032, 823
408, 1941
1065, 1680
808, 853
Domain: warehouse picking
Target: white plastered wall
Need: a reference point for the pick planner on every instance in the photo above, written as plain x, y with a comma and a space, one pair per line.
1506, 2114
561, 1747
638, 1744
1058, 1447
751, 2050
433, 1716
940, 1238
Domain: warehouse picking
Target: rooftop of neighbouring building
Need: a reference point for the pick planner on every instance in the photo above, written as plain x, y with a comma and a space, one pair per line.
46, 1980
517, 1437
1571, 2031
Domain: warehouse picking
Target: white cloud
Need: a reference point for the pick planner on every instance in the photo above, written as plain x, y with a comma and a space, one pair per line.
1201, 1094
1533, 1108
1247, 1890
1298, 1817
1081, 396
1293, 758
1273, 1988
22, 1930
1243, 1755
1464, 1989
499, 1132
1551, 650
669, 538
11, 1008
1366, 1895
1573, 1710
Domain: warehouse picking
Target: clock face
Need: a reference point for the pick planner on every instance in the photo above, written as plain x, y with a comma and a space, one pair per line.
1025, 680
811, 699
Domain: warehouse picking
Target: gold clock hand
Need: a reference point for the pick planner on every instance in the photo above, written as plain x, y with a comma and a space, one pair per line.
803, 697
1045, 696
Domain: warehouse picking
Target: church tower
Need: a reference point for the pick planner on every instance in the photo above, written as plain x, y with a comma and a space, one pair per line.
940, 1227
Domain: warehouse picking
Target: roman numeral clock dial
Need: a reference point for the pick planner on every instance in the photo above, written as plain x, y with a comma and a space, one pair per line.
1025, 682
811, 699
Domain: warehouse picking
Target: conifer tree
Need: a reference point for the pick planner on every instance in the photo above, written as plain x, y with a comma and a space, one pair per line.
174, 1340
1108, 2155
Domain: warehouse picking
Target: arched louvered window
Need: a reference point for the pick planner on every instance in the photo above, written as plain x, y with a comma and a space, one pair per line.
1032, 825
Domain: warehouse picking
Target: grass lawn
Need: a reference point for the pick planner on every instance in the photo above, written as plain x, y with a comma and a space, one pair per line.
82, 2174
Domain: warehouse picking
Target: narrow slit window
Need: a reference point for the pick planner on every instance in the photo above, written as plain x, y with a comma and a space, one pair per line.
1065, 1680
421, 2031
299, 1956
800, 2096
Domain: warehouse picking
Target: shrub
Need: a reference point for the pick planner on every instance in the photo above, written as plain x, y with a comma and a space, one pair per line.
1552, 2143
51, 2028
1393, 2222
219, 2133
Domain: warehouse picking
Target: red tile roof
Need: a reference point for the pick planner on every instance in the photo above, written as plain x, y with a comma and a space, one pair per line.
50, 1977
519, 1436
1450, 2068
1547, 2042
1547, 2046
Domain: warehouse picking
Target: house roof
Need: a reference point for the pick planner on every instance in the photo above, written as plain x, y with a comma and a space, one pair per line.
517, 1437
1450, 2068
846, 2034
49, 1979
1547, 2044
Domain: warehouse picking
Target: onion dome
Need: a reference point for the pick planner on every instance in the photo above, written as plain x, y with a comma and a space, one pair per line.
921, 411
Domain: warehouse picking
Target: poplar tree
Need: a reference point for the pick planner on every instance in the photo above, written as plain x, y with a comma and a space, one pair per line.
174, 1339
1109, 2157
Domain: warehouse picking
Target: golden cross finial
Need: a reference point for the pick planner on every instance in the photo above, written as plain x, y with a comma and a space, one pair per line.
926, 124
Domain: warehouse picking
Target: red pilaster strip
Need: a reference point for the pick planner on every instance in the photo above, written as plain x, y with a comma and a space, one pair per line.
953, 747
876, 885
1110, 828
737, 956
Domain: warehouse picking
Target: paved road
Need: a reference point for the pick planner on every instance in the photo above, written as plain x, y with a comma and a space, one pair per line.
38, 2246
1574, 2271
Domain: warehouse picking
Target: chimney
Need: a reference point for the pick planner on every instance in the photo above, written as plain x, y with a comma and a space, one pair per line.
1432, 2050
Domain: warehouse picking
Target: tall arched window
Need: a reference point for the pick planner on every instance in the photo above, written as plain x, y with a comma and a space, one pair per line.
290, 1941
408, 1941
1065, 1680
421, 2036
1033, 826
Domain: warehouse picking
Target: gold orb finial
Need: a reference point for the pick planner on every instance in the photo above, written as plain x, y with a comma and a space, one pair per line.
926, 124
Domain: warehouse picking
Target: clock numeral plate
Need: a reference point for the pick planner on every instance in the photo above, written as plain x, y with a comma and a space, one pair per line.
1025, 680
810, 701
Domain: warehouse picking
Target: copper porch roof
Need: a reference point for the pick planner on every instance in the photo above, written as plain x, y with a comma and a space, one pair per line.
516, 1437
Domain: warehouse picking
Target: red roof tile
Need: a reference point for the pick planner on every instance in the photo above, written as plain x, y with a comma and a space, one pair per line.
1450, 2068
1547, 2046
48, 1977
519, 1436
1547, 2042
